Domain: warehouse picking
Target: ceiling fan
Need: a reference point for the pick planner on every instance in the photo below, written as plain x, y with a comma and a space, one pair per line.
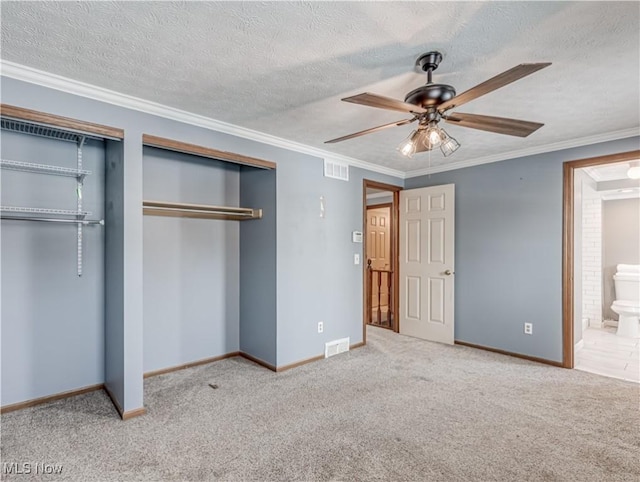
430, 103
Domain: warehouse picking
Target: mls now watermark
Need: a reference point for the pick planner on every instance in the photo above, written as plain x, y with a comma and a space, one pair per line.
29, 468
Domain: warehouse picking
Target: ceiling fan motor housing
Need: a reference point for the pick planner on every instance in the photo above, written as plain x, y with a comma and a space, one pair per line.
430, 95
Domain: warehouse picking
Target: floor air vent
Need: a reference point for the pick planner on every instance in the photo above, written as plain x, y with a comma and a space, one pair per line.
336, 346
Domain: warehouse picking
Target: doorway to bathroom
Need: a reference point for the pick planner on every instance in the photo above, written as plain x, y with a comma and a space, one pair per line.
601, 265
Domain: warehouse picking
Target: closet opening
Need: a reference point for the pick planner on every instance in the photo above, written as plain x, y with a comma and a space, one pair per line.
208, 256
53, 242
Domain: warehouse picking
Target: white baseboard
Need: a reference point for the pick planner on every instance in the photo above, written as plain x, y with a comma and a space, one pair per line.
612, 323
578, 346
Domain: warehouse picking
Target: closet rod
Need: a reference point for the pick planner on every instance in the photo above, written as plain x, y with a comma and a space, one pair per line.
201, 211
84, 222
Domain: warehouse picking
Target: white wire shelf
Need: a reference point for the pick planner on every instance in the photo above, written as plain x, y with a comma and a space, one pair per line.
43, 169
83, 222
77, 217
42, 130
53, 212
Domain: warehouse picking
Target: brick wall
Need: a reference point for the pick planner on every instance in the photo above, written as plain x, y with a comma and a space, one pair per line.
592, 260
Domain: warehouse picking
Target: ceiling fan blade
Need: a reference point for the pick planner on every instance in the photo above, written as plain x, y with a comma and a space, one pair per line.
375, 100
500, 125
369, 131
494, 83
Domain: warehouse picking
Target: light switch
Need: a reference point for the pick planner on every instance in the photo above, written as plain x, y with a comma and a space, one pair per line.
356, 258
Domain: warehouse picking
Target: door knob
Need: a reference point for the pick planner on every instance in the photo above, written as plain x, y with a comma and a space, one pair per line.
449, 272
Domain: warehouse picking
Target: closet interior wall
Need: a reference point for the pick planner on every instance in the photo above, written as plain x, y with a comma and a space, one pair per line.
52, 319
191, 267
258, 268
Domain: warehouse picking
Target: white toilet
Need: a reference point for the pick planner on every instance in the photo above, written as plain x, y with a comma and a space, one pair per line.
627, 303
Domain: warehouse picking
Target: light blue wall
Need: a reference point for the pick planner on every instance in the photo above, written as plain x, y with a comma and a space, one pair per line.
258, 277
52, 320
191, 266
132, 279
316, 276
509, 249
317, 280
508, 245
114, 346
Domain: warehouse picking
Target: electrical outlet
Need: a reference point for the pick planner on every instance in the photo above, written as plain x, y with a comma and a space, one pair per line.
528, 328
320, 326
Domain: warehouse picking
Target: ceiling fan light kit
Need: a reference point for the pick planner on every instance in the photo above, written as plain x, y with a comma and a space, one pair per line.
429, 103
427, 139
433, 136
449, 146
409, 145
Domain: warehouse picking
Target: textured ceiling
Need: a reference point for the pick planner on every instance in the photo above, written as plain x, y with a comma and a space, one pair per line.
282, 67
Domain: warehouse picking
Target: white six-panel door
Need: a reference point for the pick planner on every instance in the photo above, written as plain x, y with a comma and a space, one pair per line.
427, 262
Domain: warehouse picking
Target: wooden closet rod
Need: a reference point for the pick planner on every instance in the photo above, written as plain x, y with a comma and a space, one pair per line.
200, 211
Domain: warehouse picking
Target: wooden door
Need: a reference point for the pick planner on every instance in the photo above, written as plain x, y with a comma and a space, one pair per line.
379, 253
427, 263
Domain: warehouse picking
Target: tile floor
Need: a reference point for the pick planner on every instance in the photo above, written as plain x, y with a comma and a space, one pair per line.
608, 354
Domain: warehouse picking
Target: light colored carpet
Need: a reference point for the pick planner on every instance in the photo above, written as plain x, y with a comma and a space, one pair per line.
398, 409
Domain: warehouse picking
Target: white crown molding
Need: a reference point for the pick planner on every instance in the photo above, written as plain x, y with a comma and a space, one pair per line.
557, 146
82, 89
593, 173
